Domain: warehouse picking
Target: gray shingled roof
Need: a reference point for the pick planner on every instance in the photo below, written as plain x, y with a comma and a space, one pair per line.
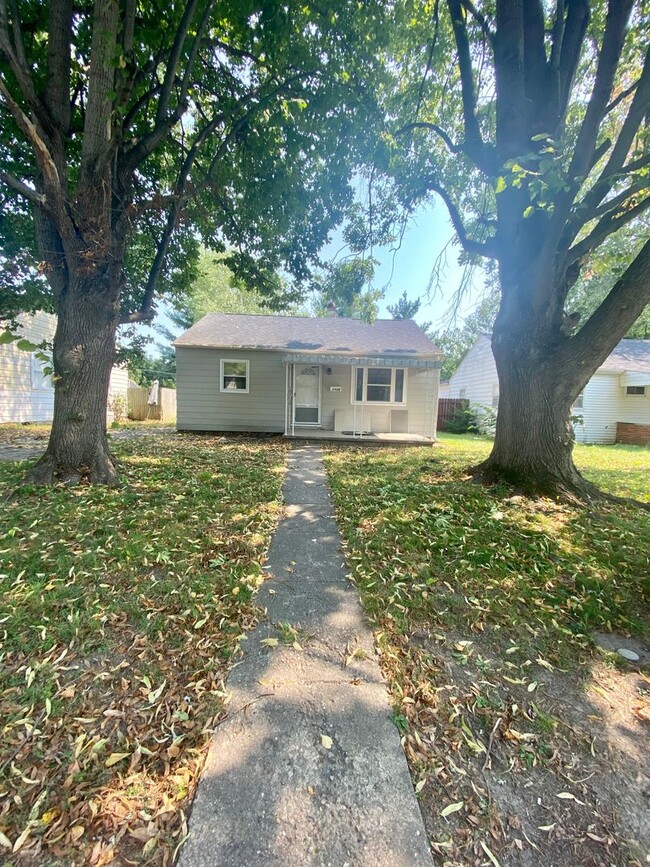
629, 355
304, 334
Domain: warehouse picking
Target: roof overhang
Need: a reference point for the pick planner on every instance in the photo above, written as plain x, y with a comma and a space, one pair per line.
361, 360
635, 377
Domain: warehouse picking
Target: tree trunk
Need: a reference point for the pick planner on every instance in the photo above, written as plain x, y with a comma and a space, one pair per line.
84, 353
534, 438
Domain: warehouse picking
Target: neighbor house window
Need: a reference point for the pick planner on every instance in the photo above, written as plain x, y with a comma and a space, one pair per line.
379, 385
578, 403
38, 366
495, 396
462, 394
635, 389
234, 376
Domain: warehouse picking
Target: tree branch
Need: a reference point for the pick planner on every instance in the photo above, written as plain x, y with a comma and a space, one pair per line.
15, 56
610, 53
33, 135
624, 304
623, 95
97, 132
611, 222
27, 192
174, 58
469, 244
631, 124
433, 127
474, 145
480, 19
567, 54
57, 89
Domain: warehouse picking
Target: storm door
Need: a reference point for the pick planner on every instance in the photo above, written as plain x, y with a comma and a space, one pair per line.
307, 390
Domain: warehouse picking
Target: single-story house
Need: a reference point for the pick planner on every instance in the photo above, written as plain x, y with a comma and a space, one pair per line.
299, 375
614, 406
26, 391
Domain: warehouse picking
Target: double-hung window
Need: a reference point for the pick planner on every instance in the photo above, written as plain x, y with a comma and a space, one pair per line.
379, 385
234, 376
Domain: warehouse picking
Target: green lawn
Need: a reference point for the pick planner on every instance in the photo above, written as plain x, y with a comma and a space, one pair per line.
120, 611
427, 546
480, 600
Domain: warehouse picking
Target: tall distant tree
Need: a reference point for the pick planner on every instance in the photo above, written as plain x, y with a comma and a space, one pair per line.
529, 119
215, 290
403, 308
129, 129
347, 285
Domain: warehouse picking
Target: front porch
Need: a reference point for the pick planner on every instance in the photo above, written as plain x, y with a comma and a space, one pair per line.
374, 399
403, 439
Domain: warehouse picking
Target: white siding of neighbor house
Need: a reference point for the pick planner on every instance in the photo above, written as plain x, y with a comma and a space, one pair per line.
605, 401
599, 410
476, 377
634, 408
24, 394
201, 405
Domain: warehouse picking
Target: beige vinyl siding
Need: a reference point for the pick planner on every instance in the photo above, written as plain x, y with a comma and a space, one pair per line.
340, 376
202, 406
20, 400
477, 375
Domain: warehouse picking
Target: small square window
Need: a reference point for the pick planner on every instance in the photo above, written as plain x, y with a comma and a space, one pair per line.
234, 376
578, 403
637, 390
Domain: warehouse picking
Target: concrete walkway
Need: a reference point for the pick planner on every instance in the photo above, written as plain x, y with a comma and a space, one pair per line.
308, 770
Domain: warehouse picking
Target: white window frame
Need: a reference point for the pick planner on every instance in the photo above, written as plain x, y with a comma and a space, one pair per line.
393, 377
579, 402
245, 361
629, 393
495, 396
39, 381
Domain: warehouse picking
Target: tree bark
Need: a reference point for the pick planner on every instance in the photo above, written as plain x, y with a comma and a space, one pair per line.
84, 353
534, 437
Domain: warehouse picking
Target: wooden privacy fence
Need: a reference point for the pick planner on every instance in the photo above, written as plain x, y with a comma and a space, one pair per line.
141, 410
447, 407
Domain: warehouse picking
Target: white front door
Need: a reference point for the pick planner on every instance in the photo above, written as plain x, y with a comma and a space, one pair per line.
307, 387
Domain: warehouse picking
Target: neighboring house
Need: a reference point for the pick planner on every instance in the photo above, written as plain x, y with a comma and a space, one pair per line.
294, 375
617, 394
26, 392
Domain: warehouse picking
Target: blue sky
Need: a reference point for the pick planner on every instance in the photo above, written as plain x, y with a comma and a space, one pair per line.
409, 268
